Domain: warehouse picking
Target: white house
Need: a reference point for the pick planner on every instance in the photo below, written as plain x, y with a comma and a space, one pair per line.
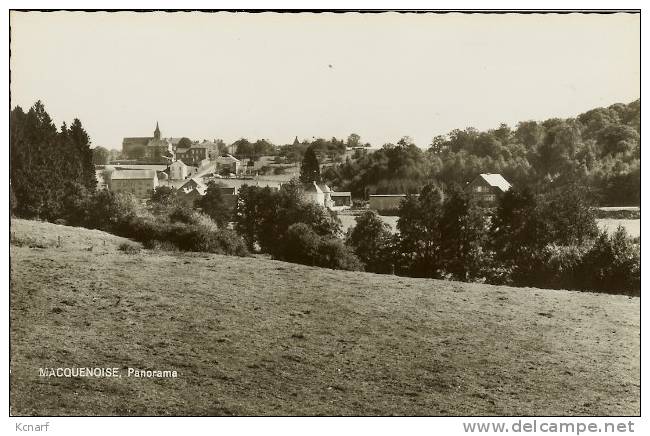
314, 193
178, 170
327, 194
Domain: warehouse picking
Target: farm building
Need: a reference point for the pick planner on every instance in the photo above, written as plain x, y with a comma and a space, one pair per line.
178, 170
137, 182
227, 163
487, 188
341, 200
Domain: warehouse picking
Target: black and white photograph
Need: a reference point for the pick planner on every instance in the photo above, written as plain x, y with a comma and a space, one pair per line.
325, 213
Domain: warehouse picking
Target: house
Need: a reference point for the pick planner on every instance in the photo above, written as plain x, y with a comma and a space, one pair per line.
314, 193
487, 188
137, 182
193, 189
194, 184
322, 195
327, 194
192, 155
386, 202
227, 163
341, 200
178, 170
147, 148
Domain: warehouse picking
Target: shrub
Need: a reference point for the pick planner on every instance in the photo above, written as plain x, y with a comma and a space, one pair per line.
186, 237
554, 266
300, 244
613, 264
129, 248
159, 245
30, 242
182, 215
333, 253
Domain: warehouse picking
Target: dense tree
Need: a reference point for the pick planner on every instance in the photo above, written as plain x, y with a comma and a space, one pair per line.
310, 167
518, 230
184, 143
213, 205
613, 264
44, 162
263, 216
100, 156
371, 240
243, 148
463, 235
600, 147
354, 140
420, 232
569, 215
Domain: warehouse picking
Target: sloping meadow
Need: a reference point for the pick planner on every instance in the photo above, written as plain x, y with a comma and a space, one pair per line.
251, 336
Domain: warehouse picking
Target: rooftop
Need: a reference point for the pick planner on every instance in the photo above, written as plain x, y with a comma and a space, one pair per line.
496, 180
133, 174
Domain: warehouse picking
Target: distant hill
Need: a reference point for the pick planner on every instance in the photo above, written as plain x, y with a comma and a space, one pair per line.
262, 337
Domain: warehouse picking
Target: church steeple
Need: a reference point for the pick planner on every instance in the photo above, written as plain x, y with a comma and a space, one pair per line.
156, 133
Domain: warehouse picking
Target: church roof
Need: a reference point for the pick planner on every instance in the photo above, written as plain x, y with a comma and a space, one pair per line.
137, 140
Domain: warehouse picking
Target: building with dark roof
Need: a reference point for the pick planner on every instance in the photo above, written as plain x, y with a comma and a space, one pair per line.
152, 149
487, 188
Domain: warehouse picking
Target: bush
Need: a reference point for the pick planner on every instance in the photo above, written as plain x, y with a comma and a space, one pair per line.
129, 248
300, 244
182, 215
159, 245
554, 266
613, 264
185, 237
334, 254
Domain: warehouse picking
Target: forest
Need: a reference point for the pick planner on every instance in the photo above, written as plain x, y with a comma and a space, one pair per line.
599, 149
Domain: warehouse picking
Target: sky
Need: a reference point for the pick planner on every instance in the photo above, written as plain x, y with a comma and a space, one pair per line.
277, 76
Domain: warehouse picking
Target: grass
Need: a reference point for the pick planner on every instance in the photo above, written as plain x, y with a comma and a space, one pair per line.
262, 337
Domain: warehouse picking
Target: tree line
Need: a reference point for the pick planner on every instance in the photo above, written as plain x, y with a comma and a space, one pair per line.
548, 241
48, 165
599, 149
532, 238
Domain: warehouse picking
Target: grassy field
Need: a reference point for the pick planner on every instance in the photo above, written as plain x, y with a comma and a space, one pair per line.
261, 337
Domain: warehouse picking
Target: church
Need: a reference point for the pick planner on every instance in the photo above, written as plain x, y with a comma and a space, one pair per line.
148, 149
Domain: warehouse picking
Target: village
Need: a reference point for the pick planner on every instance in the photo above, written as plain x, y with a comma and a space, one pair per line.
325, 213
155, 161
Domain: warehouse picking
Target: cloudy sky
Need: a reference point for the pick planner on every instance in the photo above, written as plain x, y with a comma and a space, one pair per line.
277, 76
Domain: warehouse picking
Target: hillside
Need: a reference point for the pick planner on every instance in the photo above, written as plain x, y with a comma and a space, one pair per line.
260, 337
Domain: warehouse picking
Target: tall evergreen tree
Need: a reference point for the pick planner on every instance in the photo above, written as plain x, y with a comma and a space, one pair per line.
310, 168
84, 154
45, 162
